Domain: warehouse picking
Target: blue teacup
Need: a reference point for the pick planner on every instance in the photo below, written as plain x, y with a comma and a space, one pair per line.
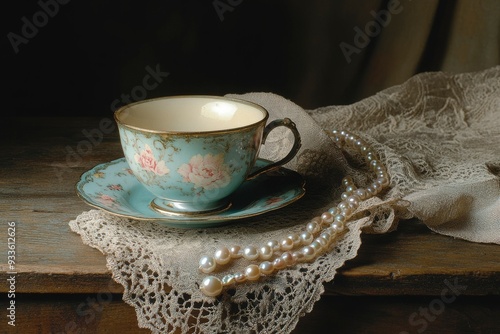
193, 152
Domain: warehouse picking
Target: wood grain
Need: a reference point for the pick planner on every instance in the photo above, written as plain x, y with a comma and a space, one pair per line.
90, 313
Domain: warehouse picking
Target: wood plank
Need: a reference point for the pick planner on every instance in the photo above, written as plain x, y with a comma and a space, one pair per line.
81, 313
103, 313
402, 315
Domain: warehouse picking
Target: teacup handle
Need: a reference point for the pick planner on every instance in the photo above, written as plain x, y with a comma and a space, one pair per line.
286, 122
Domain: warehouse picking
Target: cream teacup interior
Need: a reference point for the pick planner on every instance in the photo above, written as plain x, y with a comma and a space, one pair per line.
190, 114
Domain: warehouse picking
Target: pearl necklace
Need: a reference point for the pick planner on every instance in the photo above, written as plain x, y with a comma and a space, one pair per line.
319, 234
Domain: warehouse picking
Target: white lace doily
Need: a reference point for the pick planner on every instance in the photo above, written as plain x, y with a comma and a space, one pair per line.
438, 135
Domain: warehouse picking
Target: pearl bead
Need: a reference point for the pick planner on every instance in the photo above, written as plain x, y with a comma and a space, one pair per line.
297, 256
370, 156
347, 181
327, 218
374, 164
235, 252
288, 258
252, 272
326, 236
353, 201
250, 253
286, 244
316, 246
383, 181
207, 264
306, 238
330, 231
274, 244
316, 220
350, 189
376, 187
222, 256
371, 190
344, 195
339, 218
383, 176
265, 252
321, 241
347, 212
313, 227
308, 252
359, 144
228, 280
278, 263
295, 238
333, 211
342, 205
361, 193
211, 286
338, 226
266, 268
240, 277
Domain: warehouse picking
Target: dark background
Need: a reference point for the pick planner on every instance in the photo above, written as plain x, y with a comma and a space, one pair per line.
91, 52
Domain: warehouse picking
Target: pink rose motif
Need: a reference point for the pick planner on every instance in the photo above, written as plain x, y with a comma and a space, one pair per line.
273, 200
208, 172
147, 161
106, 199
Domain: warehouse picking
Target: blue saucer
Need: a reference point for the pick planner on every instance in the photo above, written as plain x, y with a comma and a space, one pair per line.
112, 187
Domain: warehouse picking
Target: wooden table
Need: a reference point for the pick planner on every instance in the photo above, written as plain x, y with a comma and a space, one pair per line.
410, 280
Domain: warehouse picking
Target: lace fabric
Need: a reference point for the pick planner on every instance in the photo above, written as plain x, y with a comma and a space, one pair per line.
438, 134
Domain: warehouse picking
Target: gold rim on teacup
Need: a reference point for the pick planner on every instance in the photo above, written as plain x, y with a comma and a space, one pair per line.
124, 109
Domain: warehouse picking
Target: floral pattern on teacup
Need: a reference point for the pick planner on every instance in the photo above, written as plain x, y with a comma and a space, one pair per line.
273, 200
207, 172
106, 199
148, 162
112, 187
115, 187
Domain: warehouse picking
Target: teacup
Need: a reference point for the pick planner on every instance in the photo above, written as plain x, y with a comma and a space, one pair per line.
193, 152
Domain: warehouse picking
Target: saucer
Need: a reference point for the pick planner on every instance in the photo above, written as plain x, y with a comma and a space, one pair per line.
112, 187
